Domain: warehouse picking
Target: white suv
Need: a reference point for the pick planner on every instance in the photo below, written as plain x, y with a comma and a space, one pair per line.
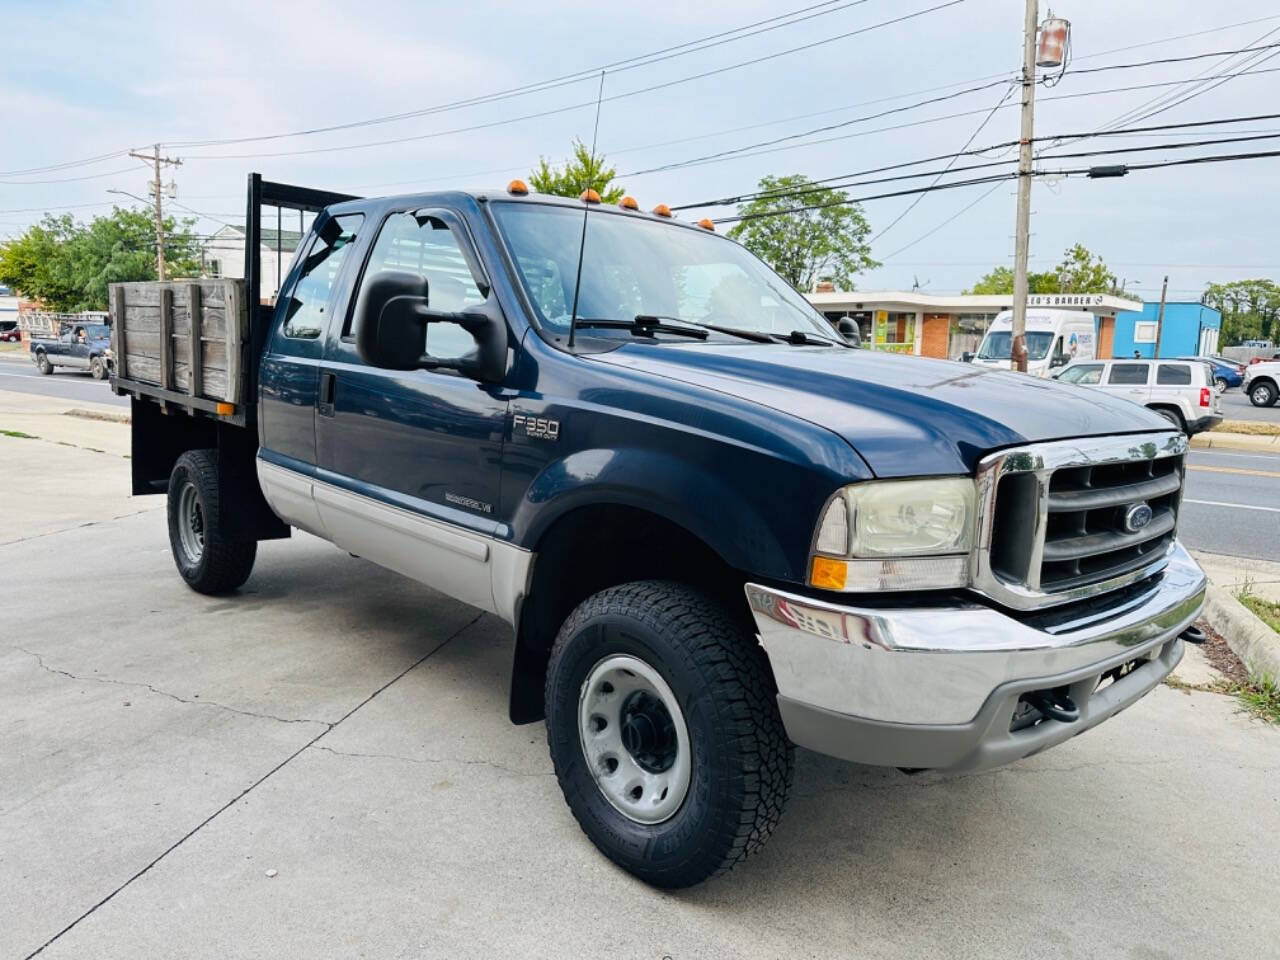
1262, 383
1180, 390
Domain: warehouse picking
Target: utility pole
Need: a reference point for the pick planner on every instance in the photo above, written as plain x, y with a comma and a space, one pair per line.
1018, 348
1160, 316
157, 190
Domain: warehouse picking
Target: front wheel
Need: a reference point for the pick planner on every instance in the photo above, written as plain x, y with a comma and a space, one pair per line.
664, 732
97, 368
1262, 394
208, 560
43, 364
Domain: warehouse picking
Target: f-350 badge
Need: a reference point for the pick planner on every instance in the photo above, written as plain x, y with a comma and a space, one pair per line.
539, 428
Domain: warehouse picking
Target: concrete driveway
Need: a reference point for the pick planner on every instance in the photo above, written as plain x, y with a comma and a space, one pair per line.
321, 766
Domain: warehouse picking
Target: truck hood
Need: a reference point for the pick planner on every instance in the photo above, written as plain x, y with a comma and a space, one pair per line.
905, 416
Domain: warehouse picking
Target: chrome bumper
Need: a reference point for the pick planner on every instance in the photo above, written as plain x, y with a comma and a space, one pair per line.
937, 686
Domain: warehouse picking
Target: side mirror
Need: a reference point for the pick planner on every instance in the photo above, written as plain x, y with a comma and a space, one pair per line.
849, 330
966, 357
1058, 362
391, 319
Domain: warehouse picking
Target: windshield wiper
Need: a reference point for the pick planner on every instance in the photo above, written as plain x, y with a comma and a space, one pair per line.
756, 336
800, 338
641, 326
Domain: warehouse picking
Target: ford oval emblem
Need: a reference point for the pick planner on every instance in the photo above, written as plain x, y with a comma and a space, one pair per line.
1137, 516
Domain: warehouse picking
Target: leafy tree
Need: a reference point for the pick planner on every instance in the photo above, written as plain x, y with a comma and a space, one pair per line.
826, 242
1079, 272
1250, 309
68, 265
574, 177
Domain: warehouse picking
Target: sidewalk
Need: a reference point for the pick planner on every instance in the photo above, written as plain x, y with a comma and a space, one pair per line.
1231, 573
97, 427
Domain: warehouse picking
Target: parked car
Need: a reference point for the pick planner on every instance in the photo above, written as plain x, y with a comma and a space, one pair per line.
1181, 391
715, 528
1226, 373
9, 332
82, 346
1262, 383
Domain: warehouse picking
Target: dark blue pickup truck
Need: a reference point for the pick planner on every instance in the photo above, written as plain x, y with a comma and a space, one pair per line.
82, 346
716, 530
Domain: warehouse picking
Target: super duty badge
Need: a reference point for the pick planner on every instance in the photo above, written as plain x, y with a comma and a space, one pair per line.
539, 428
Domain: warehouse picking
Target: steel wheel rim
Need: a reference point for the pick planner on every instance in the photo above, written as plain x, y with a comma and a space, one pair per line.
634, 739
191, 523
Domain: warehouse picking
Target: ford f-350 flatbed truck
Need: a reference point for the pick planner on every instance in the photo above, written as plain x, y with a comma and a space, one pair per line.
715, 529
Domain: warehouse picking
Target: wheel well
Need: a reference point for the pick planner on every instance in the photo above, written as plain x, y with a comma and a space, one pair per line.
590, 549
1161, 407
1263, 379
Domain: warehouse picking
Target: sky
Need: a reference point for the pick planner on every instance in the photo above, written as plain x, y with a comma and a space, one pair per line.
82, 80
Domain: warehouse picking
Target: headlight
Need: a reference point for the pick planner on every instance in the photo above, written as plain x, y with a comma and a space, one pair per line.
896, 535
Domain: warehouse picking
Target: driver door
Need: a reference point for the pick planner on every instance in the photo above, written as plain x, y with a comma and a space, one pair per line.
410, 460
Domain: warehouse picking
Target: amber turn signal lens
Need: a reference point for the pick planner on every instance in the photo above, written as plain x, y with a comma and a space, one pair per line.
589, 195
629, 203
706, 224
226, 409
662, 210
518, 187
828, 574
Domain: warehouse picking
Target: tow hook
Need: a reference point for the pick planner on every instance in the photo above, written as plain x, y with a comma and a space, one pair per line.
1193, 634
1054, 703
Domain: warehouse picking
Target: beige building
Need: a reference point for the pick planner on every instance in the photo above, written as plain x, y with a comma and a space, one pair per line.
949, 325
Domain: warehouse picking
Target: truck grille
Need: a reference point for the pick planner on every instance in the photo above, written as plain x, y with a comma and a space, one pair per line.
1063, 521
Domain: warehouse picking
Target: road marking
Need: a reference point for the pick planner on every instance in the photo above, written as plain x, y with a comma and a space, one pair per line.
1238, 506
1269, 457
1241, 471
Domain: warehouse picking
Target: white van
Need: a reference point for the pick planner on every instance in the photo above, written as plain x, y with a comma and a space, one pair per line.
1054, 339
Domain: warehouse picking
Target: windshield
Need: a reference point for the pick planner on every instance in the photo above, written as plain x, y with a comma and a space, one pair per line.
997, 345
634, 266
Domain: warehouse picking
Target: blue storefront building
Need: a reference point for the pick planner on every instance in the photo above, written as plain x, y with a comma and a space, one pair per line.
1189, 328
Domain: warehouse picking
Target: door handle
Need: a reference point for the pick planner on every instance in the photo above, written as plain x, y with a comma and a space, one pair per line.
328, 390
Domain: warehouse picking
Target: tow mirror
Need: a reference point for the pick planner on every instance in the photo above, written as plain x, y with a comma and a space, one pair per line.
391, 319
966, 357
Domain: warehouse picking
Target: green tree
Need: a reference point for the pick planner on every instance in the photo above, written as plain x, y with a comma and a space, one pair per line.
575, 176
68, 265
827, 241
1250, 309
1079, 271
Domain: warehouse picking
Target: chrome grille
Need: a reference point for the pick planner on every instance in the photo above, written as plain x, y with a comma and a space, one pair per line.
1060, 521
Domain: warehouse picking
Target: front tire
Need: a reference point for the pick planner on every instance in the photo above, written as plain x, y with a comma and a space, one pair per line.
1262, 394
97, 369
664, 732
209, 561
43, 364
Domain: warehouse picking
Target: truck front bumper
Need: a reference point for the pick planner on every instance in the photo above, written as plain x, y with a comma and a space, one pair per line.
942, 686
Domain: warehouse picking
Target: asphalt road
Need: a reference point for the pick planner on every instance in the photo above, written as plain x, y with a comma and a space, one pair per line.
1232, 504
1236, 406
19, 373
321, 766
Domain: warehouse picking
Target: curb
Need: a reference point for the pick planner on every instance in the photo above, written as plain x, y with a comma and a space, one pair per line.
1236, 441
108, 415
1256, 644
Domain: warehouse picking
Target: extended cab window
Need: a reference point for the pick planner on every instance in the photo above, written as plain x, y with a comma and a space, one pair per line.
305, 313
1173, 375
1085, 373
427, 247
1128, 374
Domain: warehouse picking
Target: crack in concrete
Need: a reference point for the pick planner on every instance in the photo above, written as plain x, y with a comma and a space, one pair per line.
433, 760
165, 693
329, 727
80, 526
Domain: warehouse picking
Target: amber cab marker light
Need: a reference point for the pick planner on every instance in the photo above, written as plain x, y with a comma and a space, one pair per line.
226, 409
589, 196
662, 210
829, 574
518, 188
706, 224
629, 203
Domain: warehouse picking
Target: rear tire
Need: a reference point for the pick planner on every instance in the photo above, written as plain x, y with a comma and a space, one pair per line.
720, 750
1173, 417
43, 364
1262, 394
1221, 384
207, 559
97, 369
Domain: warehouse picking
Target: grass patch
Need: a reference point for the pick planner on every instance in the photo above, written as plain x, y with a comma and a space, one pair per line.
19, 434
1264, 610
1253, 427
1261, 698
